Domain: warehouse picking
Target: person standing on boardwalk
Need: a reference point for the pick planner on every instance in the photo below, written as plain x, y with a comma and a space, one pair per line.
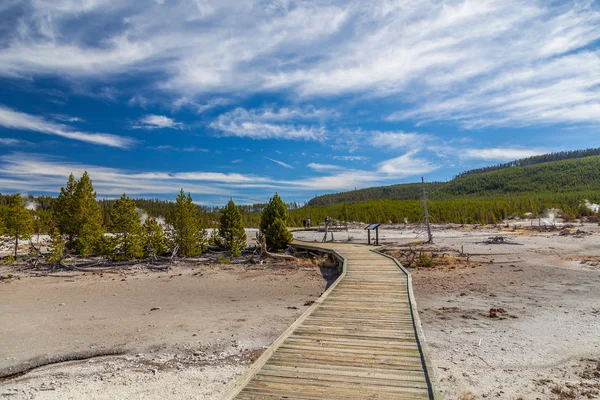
308, 222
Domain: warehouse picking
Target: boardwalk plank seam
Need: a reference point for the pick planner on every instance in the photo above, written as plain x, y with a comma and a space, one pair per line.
362, 338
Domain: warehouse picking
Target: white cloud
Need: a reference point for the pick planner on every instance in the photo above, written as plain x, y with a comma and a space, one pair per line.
10, 142
323, 167
285, 123
138, 100
190, 149
477, 63
66, 118
280, 163
12, 119
397, 140
351, 158
40, 173
198, 107
499, 153
152, 121
407, 165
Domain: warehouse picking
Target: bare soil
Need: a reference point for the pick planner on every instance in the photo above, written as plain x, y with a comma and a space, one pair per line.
184, 334
517, 318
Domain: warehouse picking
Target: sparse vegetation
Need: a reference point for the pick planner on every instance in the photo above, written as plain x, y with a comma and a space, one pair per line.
188, 235
19, 222
273, 224
231, 229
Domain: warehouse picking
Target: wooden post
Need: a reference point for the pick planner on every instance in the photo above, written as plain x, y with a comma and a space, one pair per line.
369, 236
377, 236
429, 237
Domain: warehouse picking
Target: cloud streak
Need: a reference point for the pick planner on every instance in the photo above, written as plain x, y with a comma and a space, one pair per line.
16, 120
280, 163
152, 121
40, 173
499, 153
285, 123
473, 63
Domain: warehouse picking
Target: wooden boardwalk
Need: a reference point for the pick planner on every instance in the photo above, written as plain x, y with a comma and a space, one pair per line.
360, 340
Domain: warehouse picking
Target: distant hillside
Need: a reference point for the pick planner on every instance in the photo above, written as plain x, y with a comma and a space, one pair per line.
563, 172
544, 158
404, 191
566, 176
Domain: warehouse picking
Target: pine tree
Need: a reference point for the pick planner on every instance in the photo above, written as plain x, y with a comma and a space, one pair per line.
231, 228
19, 222
188, 234
56, 248
154, 238
127, 229
64, 211
87, 217
273, 224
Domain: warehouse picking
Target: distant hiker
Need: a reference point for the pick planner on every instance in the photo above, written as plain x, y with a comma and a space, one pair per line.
327, 221
304, 223
308, 222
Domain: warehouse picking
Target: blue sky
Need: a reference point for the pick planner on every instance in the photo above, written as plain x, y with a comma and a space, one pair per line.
246, 98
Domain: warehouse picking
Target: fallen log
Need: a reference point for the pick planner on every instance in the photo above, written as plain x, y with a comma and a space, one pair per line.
266, 254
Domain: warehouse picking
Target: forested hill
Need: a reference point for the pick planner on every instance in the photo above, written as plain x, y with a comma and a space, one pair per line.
566, 176
404, 191
544, 158
564, 172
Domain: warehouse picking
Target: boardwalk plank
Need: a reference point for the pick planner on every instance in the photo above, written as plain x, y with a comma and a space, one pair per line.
358, 341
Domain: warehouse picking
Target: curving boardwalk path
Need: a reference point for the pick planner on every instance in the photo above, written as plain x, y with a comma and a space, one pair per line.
360, 340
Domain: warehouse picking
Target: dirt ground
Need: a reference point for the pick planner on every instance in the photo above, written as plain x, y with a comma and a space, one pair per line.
520, 319
184, 334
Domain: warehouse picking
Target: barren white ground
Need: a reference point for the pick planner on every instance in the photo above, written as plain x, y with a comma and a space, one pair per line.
546, 341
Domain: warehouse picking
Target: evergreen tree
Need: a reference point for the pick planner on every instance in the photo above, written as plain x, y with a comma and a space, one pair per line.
188, 234
127, 229
273, 224
154, 238
57, 247
231, 228
87, 217
64, 211
19, 222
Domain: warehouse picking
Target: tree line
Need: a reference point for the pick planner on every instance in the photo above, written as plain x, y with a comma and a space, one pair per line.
468, 210
78, 225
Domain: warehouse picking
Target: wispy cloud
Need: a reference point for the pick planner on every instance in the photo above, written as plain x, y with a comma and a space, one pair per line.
199, 108
324, 167
280, 163
499, 153
152, 121
407, 165
40, 173
285, 123
399, 140
189, 149
351, 158
11, 142
66, 118
16, 120
439, 59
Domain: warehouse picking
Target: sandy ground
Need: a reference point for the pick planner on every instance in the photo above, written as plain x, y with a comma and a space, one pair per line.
185, 334
543, 342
